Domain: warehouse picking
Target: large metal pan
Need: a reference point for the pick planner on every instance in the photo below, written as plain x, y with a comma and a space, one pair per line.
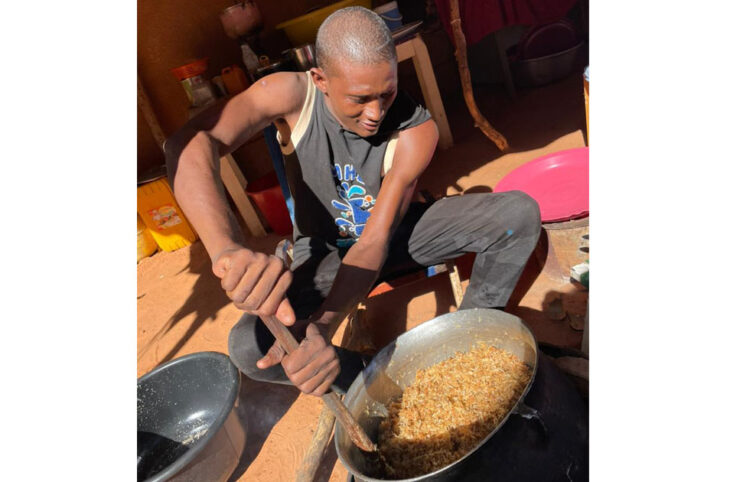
395, 367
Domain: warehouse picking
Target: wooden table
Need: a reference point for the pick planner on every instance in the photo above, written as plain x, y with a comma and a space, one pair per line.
415, 49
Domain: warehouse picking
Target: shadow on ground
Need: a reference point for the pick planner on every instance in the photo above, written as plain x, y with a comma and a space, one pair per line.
205, 301
535, 118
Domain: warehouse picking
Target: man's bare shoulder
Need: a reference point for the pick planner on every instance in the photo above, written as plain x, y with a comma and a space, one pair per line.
282, 92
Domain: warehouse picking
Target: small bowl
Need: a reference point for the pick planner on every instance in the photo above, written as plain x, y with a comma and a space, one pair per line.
187, 424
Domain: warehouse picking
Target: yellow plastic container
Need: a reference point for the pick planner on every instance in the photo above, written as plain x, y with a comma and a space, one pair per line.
303, 30
163, 217
146, 245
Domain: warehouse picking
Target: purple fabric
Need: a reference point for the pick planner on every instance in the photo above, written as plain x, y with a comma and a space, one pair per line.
482, 17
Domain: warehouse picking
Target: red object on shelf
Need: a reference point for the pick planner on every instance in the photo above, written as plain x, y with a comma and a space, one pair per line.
267, 195
193, 69
557, 181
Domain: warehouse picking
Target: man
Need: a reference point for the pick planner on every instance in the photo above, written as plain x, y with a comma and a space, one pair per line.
354, 150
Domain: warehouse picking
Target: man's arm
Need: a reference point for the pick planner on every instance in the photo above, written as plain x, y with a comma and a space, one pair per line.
254, 281
193, 153
314, 366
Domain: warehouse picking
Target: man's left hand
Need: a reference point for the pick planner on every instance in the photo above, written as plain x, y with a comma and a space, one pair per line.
313, 366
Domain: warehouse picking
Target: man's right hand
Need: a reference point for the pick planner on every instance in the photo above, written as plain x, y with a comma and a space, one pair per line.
255, 282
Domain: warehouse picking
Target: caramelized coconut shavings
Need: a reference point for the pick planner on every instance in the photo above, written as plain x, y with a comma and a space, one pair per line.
449, 408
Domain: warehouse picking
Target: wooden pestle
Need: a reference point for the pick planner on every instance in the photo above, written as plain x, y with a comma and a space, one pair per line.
342, 414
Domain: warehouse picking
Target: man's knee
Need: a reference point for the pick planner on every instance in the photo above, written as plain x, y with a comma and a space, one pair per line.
524, 214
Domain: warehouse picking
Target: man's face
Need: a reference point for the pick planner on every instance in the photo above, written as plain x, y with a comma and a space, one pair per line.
359, 95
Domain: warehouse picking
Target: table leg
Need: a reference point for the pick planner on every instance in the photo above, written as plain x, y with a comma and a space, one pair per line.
504, 64
235, 183
429, 87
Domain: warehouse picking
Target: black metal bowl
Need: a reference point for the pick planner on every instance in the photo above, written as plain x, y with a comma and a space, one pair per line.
550, 68
187, 425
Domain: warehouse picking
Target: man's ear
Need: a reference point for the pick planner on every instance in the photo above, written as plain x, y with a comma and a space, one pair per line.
320, 79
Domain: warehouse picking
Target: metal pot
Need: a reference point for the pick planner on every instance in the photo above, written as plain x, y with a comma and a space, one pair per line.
555, 433
544, 70
241, 19
305, 57
395, 367
187, 425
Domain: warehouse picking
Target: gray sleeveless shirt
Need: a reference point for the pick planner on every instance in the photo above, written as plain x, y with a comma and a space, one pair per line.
334, 175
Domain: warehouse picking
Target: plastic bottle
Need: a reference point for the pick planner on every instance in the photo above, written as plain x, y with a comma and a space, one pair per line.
250, 60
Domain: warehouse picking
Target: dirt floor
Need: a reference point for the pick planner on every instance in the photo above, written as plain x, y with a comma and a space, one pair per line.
181, 308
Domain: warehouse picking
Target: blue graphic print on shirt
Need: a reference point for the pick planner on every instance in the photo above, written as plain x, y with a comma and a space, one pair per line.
354, 204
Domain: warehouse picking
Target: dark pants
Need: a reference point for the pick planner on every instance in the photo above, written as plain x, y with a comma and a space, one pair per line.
502, 228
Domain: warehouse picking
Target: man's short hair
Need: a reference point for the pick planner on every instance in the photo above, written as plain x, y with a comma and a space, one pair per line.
354, 34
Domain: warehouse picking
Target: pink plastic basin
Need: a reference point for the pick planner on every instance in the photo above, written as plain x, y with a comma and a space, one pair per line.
557, 181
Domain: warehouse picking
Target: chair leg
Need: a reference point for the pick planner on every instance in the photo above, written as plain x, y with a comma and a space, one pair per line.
504, 64
455, 281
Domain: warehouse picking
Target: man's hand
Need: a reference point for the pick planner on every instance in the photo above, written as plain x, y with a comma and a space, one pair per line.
312, 367
256, 282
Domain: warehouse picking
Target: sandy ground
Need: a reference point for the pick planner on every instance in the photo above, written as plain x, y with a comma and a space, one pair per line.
181, 308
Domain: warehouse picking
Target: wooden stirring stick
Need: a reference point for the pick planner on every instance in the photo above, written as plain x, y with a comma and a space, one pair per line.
343, 415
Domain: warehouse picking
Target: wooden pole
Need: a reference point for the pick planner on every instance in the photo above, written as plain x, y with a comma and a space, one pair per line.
149, 114
317, 447
465, 76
